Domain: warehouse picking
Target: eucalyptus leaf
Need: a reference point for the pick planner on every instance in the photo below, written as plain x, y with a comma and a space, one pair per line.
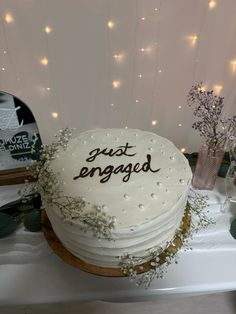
233, 228
32, 221
7, 225
223, 170
13, 210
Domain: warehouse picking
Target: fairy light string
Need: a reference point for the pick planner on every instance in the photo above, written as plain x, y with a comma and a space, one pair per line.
7, 20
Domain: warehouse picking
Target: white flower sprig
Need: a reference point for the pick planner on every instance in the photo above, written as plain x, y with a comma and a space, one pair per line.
48, 185
216, 129
158, 259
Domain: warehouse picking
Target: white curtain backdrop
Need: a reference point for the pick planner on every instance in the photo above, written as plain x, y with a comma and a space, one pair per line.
84, 72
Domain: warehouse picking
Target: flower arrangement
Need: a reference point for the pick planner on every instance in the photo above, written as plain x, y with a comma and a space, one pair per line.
217, 130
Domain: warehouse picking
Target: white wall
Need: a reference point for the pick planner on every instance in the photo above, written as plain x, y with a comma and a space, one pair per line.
81, 65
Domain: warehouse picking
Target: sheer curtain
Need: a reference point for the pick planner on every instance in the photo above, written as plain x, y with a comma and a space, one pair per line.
74, 68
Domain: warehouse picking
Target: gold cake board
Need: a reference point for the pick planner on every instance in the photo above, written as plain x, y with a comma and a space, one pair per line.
69, 258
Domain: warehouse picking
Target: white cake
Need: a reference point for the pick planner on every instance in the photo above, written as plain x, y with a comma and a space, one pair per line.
148, 203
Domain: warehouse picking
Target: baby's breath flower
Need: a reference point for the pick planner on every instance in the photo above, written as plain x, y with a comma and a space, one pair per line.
49, 184
217, 130
160, 258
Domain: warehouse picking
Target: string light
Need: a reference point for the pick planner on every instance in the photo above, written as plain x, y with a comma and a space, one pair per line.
5, 52
217, 89
156, 9
233, 65
183, 150
116, 84
110, 24
47, 29
193, 39
160, 71
154, 122
179, 107
202, 89
3, 69
8, 18
179, 124
212, 4
48, 88
55, 114
145, 50
112, 105
140, 75
118, 57
136, 100
44, 61
143, 18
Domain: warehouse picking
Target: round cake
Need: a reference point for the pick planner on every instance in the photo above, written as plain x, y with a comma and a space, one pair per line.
137, 177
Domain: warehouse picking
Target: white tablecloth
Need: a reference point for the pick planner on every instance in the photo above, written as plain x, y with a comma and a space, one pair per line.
31, 273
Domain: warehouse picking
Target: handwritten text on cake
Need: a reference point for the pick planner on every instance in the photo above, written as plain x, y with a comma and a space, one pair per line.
109, 170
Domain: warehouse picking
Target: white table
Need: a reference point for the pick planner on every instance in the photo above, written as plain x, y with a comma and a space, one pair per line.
31, 273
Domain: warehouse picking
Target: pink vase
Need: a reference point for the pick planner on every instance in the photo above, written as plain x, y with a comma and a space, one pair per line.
207, 167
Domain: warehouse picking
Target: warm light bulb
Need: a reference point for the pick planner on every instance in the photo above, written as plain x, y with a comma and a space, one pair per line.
44, 61
118, 57
180, 107
145, 50
140, 75
5, 52
143, 18
48, 88
3, 69
160, 71
156, 9
202, 89
116, 84
212, 4
110, 24
8, 18
47, 29
183, 150
179, 124
136, 100
55, 115
217, 89
233, 65
154, 122
193, 40
112, 105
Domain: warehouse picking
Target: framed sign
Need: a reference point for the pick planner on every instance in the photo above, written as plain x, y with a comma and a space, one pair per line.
20, 141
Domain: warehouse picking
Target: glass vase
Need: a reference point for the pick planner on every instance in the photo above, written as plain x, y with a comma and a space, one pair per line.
207, 167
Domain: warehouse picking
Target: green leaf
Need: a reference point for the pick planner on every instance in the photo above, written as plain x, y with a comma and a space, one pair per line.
223, 170
7, 225
233, 228
32, 221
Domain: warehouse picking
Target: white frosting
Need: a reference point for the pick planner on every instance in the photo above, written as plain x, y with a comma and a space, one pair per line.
148, 207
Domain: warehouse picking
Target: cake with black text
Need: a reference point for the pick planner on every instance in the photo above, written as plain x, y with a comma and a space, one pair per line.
137, 177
